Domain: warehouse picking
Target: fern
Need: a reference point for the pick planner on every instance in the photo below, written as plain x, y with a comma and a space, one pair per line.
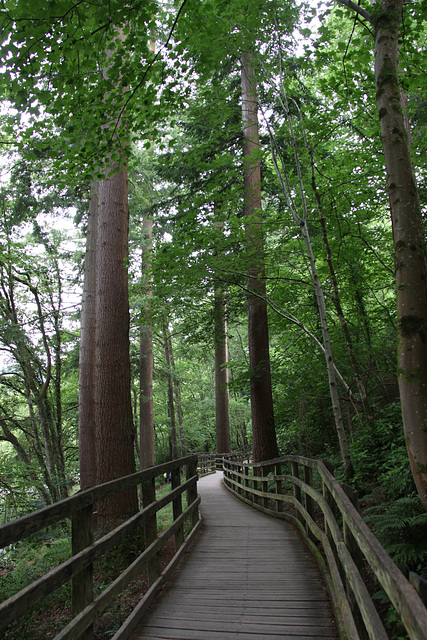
401, 527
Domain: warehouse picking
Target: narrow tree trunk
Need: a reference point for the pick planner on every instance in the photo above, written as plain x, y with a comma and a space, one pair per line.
358, 296
222, 413
177, 402
336, 297
408, 243
87, 350
222, 426
263, 430
301, 223
26, 460
146, 410
57, 404
171, 405
333, 389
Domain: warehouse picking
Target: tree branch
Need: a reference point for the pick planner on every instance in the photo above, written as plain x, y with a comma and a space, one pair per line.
356, 8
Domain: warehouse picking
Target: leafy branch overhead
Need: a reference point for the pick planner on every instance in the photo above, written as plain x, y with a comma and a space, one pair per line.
227, 171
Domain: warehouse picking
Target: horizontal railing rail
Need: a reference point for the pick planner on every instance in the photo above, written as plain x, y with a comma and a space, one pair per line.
206, 463
306, 493
79, 567
209, 462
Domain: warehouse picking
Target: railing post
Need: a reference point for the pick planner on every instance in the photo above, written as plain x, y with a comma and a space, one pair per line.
148, 490
357, 556
225, 471
329, 498
240, 479
247, 493
279, 486
264, 484
254, 482
349, 540
297, 489
191, 470
309, 502
82, 582
177, 507
420, 585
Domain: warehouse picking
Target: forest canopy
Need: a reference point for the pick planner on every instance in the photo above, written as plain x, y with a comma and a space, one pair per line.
238, 192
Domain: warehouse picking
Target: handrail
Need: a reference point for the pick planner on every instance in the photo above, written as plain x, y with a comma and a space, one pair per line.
78, 567
206, 463
325, 513
210, 462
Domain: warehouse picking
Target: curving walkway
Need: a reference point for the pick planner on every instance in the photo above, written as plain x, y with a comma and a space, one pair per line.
247, 577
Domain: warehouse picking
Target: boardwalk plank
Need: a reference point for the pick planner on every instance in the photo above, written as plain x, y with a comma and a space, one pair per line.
247, 577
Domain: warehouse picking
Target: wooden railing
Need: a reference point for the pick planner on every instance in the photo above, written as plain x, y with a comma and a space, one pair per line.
209, 462
305, 492
78, 568
206, 463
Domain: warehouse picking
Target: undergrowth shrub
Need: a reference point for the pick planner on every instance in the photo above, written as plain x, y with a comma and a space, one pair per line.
401, 527
379, 455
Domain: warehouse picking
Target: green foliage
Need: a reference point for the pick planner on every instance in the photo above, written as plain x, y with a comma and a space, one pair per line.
402, 528
26, 562
379, 454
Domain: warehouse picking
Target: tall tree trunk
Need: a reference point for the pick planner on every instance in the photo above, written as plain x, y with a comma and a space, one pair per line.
263, 430
333, 389
146, 364
177, 402
408, 241
301, 223
222, 426
87, 350
171, 405
222, 413
336, 297
113, 409
363, 314
113, 419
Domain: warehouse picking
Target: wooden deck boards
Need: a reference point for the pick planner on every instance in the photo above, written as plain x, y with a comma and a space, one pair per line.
248, 577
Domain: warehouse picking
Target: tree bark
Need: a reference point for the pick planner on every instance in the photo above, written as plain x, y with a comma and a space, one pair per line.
336, 297
146, 364
222, 426
87, 350
408, 241
301, 223
113, 407
222, 413
177, 402
263, 430
171, 405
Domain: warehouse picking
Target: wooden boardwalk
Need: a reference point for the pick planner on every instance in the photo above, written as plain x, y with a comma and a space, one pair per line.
247, 577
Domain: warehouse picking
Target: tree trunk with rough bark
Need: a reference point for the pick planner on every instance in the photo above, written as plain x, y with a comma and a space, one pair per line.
146, 364
336, 298
408, 241
303, 230
87, 350
171, 406
222, 426
263, 430
113, 408
177, 403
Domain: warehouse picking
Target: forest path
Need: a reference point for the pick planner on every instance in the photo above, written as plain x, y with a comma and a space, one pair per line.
247, 577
